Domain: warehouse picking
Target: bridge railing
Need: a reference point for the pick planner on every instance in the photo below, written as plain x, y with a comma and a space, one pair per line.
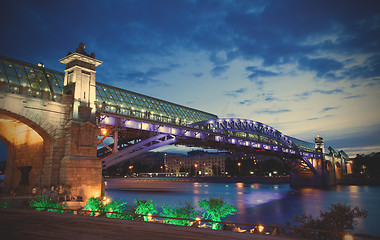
104, 107
30, 92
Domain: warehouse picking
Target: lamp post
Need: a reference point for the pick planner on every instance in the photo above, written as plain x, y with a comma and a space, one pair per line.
130, 169
239, 164
196, 171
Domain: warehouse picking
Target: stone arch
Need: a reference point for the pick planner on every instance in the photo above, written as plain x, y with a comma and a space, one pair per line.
330, 170
29, 147
338, 170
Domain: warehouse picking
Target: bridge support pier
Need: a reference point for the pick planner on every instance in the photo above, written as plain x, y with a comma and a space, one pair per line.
312, 180
80, 168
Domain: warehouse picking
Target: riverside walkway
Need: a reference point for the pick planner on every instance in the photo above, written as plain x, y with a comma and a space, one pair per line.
28, 224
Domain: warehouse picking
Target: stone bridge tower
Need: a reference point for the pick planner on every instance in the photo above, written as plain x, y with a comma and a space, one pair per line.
80, 167
51, 136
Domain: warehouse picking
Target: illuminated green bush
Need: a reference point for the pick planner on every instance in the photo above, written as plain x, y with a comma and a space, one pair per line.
144, 207
215, 209
94, 204
115, 206
4, 204
41, 203
186, 211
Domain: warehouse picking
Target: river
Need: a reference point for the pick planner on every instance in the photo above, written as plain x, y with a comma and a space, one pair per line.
255, 203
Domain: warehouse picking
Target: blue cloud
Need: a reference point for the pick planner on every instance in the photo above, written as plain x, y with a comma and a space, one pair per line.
267, 111
353, 96
246, 102
317, 118
307, 94
370, 68
328, 109
219, 70
197, 75
235, 93
324, 67
140, 77
256, 73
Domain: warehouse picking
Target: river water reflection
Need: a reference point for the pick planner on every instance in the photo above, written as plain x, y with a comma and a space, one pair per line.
256, 203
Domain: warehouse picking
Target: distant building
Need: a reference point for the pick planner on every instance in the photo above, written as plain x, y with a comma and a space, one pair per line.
203, 165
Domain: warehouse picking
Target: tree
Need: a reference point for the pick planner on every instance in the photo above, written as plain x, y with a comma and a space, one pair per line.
215, 209
339, 218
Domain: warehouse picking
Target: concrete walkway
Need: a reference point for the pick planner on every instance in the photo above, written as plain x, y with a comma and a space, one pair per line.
28, 224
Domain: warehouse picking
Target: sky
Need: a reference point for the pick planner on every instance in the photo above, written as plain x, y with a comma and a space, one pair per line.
302, 67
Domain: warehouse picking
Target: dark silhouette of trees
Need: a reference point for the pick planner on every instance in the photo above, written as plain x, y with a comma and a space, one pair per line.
367, 164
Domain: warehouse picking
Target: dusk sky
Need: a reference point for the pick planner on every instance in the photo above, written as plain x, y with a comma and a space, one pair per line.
302, 67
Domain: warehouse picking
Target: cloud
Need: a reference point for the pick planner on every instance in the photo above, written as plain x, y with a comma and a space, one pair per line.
317, 118
267, 111
353, 96
370, 68
307, 94
143, 77
219, 70
328, 109
256, 73
271, 99
246, 102
324, 67
235, 93
197, 75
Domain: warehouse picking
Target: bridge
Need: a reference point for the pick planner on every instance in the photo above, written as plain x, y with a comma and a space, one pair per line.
57, 129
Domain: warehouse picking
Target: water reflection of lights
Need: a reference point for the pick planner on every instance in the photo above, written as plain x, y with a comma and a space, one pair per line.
240, 193
239, 185
258, 198
226, 185
353, 189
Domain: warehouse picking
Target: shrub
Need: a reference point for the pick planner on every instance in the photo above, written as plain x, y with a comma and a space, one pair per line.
4, 204
41, 203
115, 206
144, 207
215, 209
186, 211
94, 204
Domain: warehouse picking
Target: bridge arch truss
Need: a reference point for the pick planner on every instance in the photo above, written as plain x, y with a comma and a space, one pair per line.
224, 133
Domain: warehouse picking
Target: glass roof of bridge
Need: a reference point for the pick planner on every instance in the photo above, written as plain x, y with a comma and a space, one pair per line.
138, 103
28, 75
18, 73
109, 98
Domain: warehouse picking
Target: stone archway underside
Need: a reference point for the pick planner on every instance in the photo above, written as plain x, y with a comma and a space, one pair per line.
26, 151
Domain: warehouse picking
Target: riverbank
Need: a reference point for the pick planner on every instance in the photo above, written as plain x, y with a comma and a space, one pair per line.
271, 180
28, 224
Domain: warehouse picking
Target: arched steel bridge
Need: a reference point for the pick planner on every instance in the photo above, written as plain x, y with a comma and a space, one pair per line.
141, 135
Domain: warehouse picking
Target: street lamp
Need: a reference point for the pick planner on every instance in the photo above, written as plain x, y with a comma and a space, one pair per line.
239, 164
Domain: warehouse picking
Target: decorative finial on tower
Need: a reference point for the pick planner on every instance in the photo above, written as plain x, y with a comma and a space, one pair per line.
81, 49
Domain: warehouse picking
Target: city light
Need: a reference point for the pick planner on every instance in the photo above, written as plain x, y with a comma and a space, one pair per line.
348, 237
260, 228
104, 131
